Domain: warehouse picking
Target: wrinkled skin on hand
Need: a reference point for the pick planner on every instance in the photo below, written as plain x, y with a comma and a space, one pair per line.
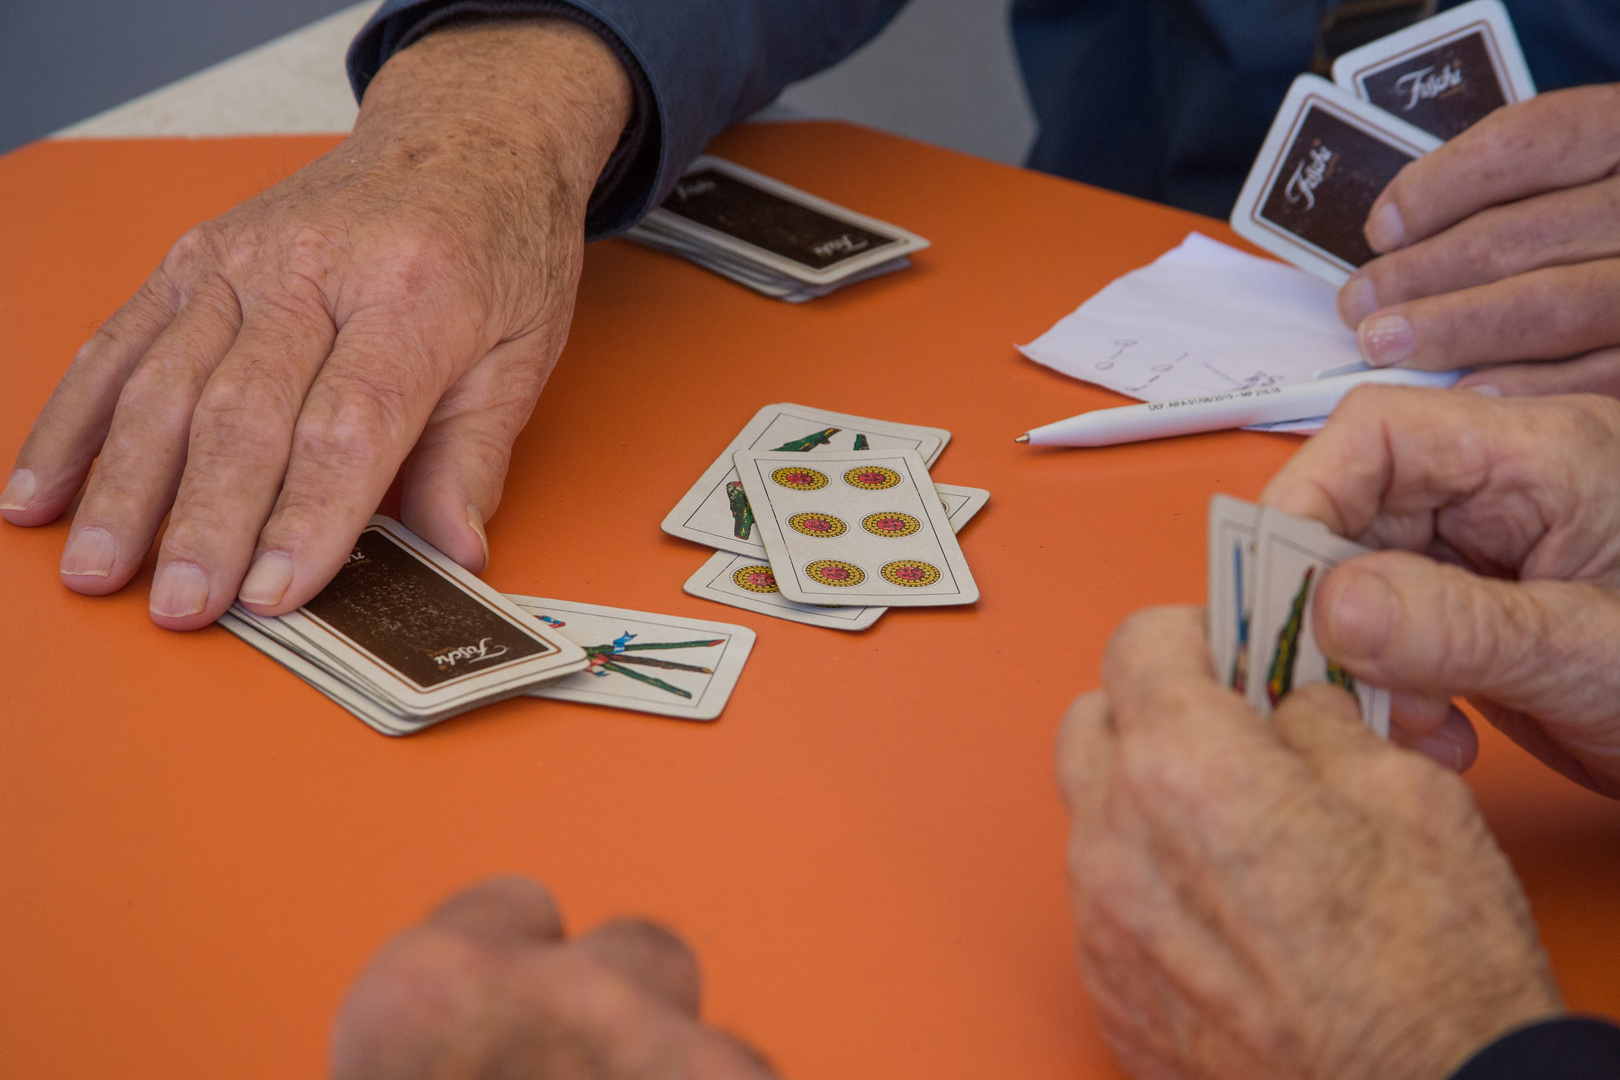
488, 988
1503, 585
1283, 900
1502, 249
400, 300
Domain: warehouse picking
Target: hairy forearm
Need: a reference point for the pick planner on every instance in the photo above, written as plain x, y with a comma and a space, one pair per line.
544, 95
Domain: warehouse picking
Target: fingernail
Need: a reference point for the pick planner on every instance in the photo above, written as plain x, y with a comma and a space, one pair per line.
1385, 229
1386, 339
1357, 300
266, 582
19, 491
180, 589
475, 521
1362, 615
89, 553
1485, 389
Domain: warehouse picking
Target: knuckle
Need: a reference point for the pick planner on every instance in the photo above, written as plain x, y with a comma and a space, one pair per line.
200, 247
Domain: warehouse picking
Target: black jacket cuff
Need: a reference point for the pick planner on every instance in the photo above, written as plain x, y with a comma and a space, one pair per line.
1563, 1048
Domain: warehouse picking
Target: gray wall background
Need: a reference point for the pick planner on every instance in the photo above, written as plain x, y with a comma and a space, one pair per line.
942, 72
64, 60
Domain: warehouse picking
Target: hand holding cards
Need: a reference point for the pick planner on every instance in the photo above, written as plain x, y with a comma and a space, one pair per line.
1264, 567
1334, 148
772, 238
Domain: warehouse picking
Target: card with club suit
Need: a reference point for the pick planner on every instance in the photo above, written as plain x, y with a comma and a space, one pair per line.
645, 662
1291, 557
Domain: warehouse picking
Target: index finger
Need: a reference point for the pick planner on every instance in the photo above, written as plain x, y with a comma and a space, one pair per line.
1388, 451
1558, 140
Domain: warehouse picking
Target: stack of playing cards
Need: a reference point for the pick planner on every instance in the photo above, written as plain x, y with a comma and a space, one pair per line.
404, 638
828, 519
1264, 567
1334, 147
773, 238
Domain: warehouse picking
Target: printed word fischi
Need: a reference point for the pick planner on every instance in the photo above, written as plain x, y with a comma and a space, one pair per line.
840, 245
1427, 83
1308, 176
691, 189
469, 654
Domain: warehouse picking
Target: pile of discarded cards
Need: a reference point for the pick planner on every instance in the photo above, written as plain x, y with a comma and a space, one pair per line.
828, 519
773, 238
404, 638
1264, 569
1335, 146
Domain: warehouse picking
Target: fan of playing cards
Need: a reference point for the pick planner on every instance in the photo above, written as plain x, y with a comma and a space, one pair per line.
1335, 146
1264, 567
773, 238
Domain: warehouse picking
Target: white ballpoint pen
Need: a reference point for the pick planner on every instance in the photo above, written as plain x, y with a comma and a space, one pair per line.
1218, 412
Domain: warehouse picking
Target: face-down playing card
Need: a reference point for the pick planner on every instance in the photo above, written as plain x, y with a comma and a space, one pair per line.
1291, 557
643, 661
417, 634
762, 221
1325, 161
859, 528
716, 511
1444, 74
749, 583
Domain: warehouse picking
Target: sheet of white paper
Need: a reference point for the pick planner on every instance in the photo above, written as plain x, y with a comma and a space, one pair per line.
1202, 318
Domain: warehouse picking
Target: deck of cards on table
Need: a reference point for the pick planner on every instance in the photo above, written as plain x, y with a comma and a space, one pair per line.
1264, 568
844, 523
1335, 146
404, 638
772, 238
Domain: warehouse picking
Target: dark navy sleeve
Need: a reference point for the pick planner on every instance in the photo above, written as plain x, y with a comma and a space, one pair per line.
1564, 1048
696, 67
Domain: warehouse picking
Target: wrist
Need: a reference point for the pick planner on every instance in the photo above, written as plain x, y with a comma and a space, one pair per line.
536, 99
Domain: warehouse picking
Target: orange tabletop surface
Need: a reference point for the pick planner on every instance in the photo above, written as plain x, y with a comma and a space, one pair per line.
198, 852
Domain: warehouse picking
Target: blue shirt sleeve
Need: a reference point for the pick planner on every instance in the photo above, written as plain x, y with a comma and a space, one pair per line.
696, 66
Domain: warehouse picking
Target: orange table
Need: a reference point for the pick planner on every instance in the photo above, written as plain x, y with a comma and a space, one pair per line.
197, 852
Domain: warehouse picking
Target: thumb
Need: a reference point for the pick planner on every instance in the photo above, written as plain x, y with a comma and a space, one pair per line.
1543, 648
453, 478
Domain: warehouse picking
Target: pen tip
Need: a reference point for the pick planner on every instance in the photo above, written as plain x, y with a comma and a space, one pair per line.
1022, 438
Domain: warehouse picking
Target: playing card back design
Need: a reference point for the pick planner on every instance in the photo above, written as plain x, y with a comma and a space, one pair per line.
415, 621
1443, 90
711, 198
1327, 181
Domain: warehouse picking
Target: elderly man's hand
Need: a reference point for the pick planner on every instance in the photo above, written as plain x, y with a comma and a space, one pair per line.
1473, 490
1274, 901
407, 294
1501, 247
488, 988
